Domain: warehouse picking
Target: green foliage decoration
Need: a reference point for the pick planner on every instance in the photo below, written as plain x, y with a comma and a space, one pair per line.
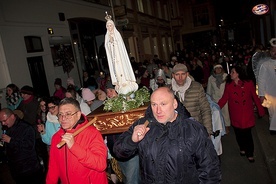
127, 102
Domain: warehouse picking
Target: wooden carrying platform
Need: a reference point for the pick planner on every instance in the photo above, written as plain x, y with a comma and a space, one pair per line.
116, 122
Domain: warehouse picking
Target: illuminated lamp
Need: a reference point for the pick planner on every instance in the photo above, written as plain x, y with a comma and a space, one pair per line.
260, 9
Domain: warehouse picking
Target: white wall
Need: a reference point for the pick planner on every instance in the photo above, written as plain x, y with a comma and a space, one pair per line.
32, 18
4, 75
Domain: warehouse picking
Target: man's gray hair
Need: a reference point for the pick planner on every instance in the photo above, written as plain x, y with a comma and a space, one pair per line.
7, 111
71, 101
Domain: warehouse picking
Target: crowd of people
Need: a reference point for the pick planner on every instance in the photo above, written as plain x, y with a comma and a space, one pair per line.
27, 147
189, 88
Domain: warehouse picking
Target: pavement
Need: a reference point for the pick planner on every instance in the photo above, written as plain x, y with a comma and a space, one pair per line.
237, 169
268, 145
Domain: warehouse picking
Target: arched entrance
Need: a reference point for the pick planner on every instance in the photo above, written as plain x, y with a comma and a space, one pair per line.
87, 37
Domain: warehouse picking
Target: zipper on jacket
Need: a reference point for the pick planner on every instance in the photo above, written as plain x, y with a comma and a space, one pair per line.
66, 164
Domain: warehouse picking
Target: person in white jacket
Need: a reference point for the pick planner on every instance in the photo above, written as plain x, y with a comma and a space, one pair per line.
267, 87
215, 88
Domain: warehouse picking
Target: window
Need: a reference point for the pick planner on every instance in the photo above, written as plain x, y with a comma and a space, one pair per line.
166, 13
149, 8
165, 47
128, 4
33, 44
140, 5
200, 16
117, 3
158, 9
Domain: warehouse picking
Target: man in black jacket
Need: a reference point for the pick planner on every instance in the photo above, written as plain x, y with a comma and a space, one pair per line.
19, 141
29, 107
174, 148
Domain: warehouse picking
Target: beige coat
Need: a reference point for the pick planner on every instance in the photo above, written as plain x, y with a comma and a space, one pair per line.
197, 104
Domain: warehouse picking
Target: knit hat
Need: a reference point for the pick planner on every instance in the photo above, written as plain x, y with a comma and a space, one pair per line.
58, 82
27, 90
217, 66
179, 67
87, 94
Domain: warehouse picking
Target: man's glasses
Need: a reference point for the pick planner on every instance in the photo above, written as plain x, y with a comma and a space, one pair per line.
4, 121
67, 115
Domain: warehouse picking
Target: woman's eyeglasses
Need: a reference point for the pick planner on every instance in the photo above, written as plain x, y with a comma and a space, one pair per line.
52, 107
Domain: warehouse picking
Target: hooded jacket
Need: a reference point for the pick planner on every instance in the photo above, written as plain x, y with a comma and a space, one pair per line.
84, 163
179, 152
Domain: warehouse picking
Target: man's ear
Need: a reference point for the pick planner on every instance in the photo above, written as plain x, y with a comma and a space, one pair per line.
79, 114
175, 104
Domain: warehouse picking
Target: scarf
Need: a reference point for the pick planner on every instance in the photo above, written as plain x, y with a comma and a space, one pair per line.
13, 99
52, 118
219, 79
28, 100
179, 91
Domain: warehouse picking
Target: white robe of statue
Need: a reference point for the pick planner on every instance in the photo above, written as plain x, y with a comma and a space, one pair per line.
121, 72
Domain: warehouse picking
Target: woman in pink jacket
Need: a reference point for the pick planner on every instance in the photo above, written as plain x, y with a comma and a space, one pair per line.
241, 97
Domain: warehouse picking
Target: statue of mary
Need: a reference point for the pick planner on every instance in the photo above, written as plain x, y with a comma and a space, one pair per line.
121, 72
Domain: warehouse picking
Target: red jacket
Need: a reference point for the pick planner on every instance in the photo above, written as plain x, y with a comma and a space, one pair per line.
84, 163
241, 101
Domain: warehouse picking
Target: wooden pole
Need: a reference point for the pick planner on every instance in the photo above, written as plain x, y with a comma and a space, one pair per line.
59, 145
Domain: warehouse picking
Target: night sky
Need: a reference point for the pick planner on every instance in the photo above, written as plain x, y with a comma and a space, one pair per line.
236, 10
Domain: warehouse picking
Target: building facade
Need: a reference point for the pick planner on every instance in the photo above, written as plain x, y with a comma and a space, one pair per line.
48, 39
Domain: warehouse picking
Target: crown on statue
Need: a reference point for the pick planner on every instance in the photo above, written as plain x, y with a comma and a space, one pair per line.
107, 17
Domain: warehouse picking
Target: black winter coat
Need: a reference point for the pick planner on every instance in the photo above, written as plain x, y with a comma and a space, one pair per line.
176, 153
21, 152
